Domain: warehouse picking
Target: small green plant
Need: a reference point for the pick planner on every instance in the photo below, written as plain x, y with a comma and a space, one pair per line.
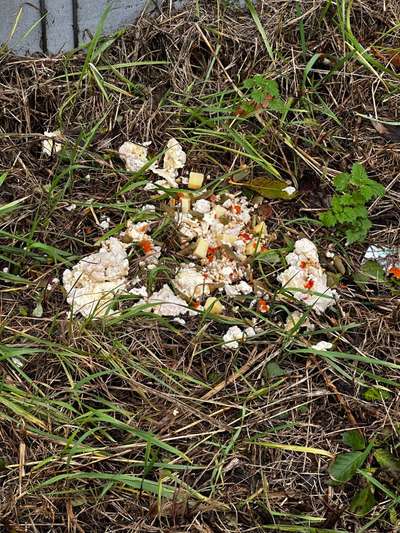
357, 462
263, 93
348, 207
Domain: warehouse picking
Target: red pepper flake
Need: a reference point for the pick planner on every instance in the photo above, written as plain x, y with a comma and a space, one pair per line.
395, 271
245, 236
146, 245
236, 209
309, 284
195, 304
264, 249
212, 250
262, 305
303, 264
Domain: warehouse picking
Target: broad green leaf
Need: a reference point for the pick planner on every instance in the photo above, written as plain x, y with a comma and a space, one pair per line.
358, 173
371, 271
274, 370
269, 188
363, 501
376, 394
345, 465
354, 440
387, 461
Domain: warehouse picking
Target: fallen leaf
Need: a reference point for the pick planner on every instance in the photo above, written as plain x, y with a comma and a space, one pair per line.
390, 55
269, 188
389, 131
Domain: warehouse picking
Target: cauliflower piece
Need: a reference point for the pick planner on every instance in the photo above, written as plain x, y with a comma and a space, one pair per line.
305, 279
49, 145
202, 206
191, 283
134, 155
93, 282
234, 335
167, 303
174, 159
294, 318
135, 232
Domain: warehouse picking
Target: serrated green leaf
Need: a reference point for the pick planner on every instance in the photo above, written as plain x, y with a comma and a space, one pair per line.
358, 233
363, 501
269, 188
328, 219
354, 440
358, 174
341, 181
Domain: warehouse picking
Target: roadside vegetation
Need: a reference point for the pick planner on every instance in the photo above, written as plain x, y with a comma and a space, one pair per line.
134, 421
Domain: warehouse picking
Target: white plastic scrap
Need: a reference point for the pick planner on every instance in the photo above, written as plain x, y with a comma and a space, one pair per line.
50, 146
134, 155
92, 283
305, 279
234, 335
289, 190
323, 346
386, 257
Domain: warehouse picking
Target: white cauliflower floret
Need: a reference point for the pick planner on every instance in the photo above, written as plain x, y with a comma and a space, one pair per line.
167, 303
293, 320
234, 335
134, 155
135, 232
50, 146
305, 279
174, 159
202, 206
92, 283
191, 283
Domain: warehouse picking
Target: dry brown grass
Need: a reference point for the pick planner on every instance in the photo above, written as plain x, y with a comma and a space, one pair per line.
176, 383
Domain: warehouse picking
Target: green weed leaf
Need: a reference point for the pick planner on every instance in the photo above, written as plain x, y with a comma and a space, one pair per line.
363, 501
354, 440
348, 206
345, 466
269, 188
387, 461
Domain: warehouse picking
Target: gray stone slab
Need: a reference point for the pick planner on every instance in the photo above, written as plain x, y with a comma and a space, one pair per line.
28, 24
68, 22
59, 27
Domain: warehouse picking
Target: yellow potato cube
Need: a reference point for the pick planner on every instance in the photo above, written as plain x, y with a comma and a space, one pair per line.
253, 247
195, 180
229, 238
213, 305
185, 205
260, 229
220, 211
201, 249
